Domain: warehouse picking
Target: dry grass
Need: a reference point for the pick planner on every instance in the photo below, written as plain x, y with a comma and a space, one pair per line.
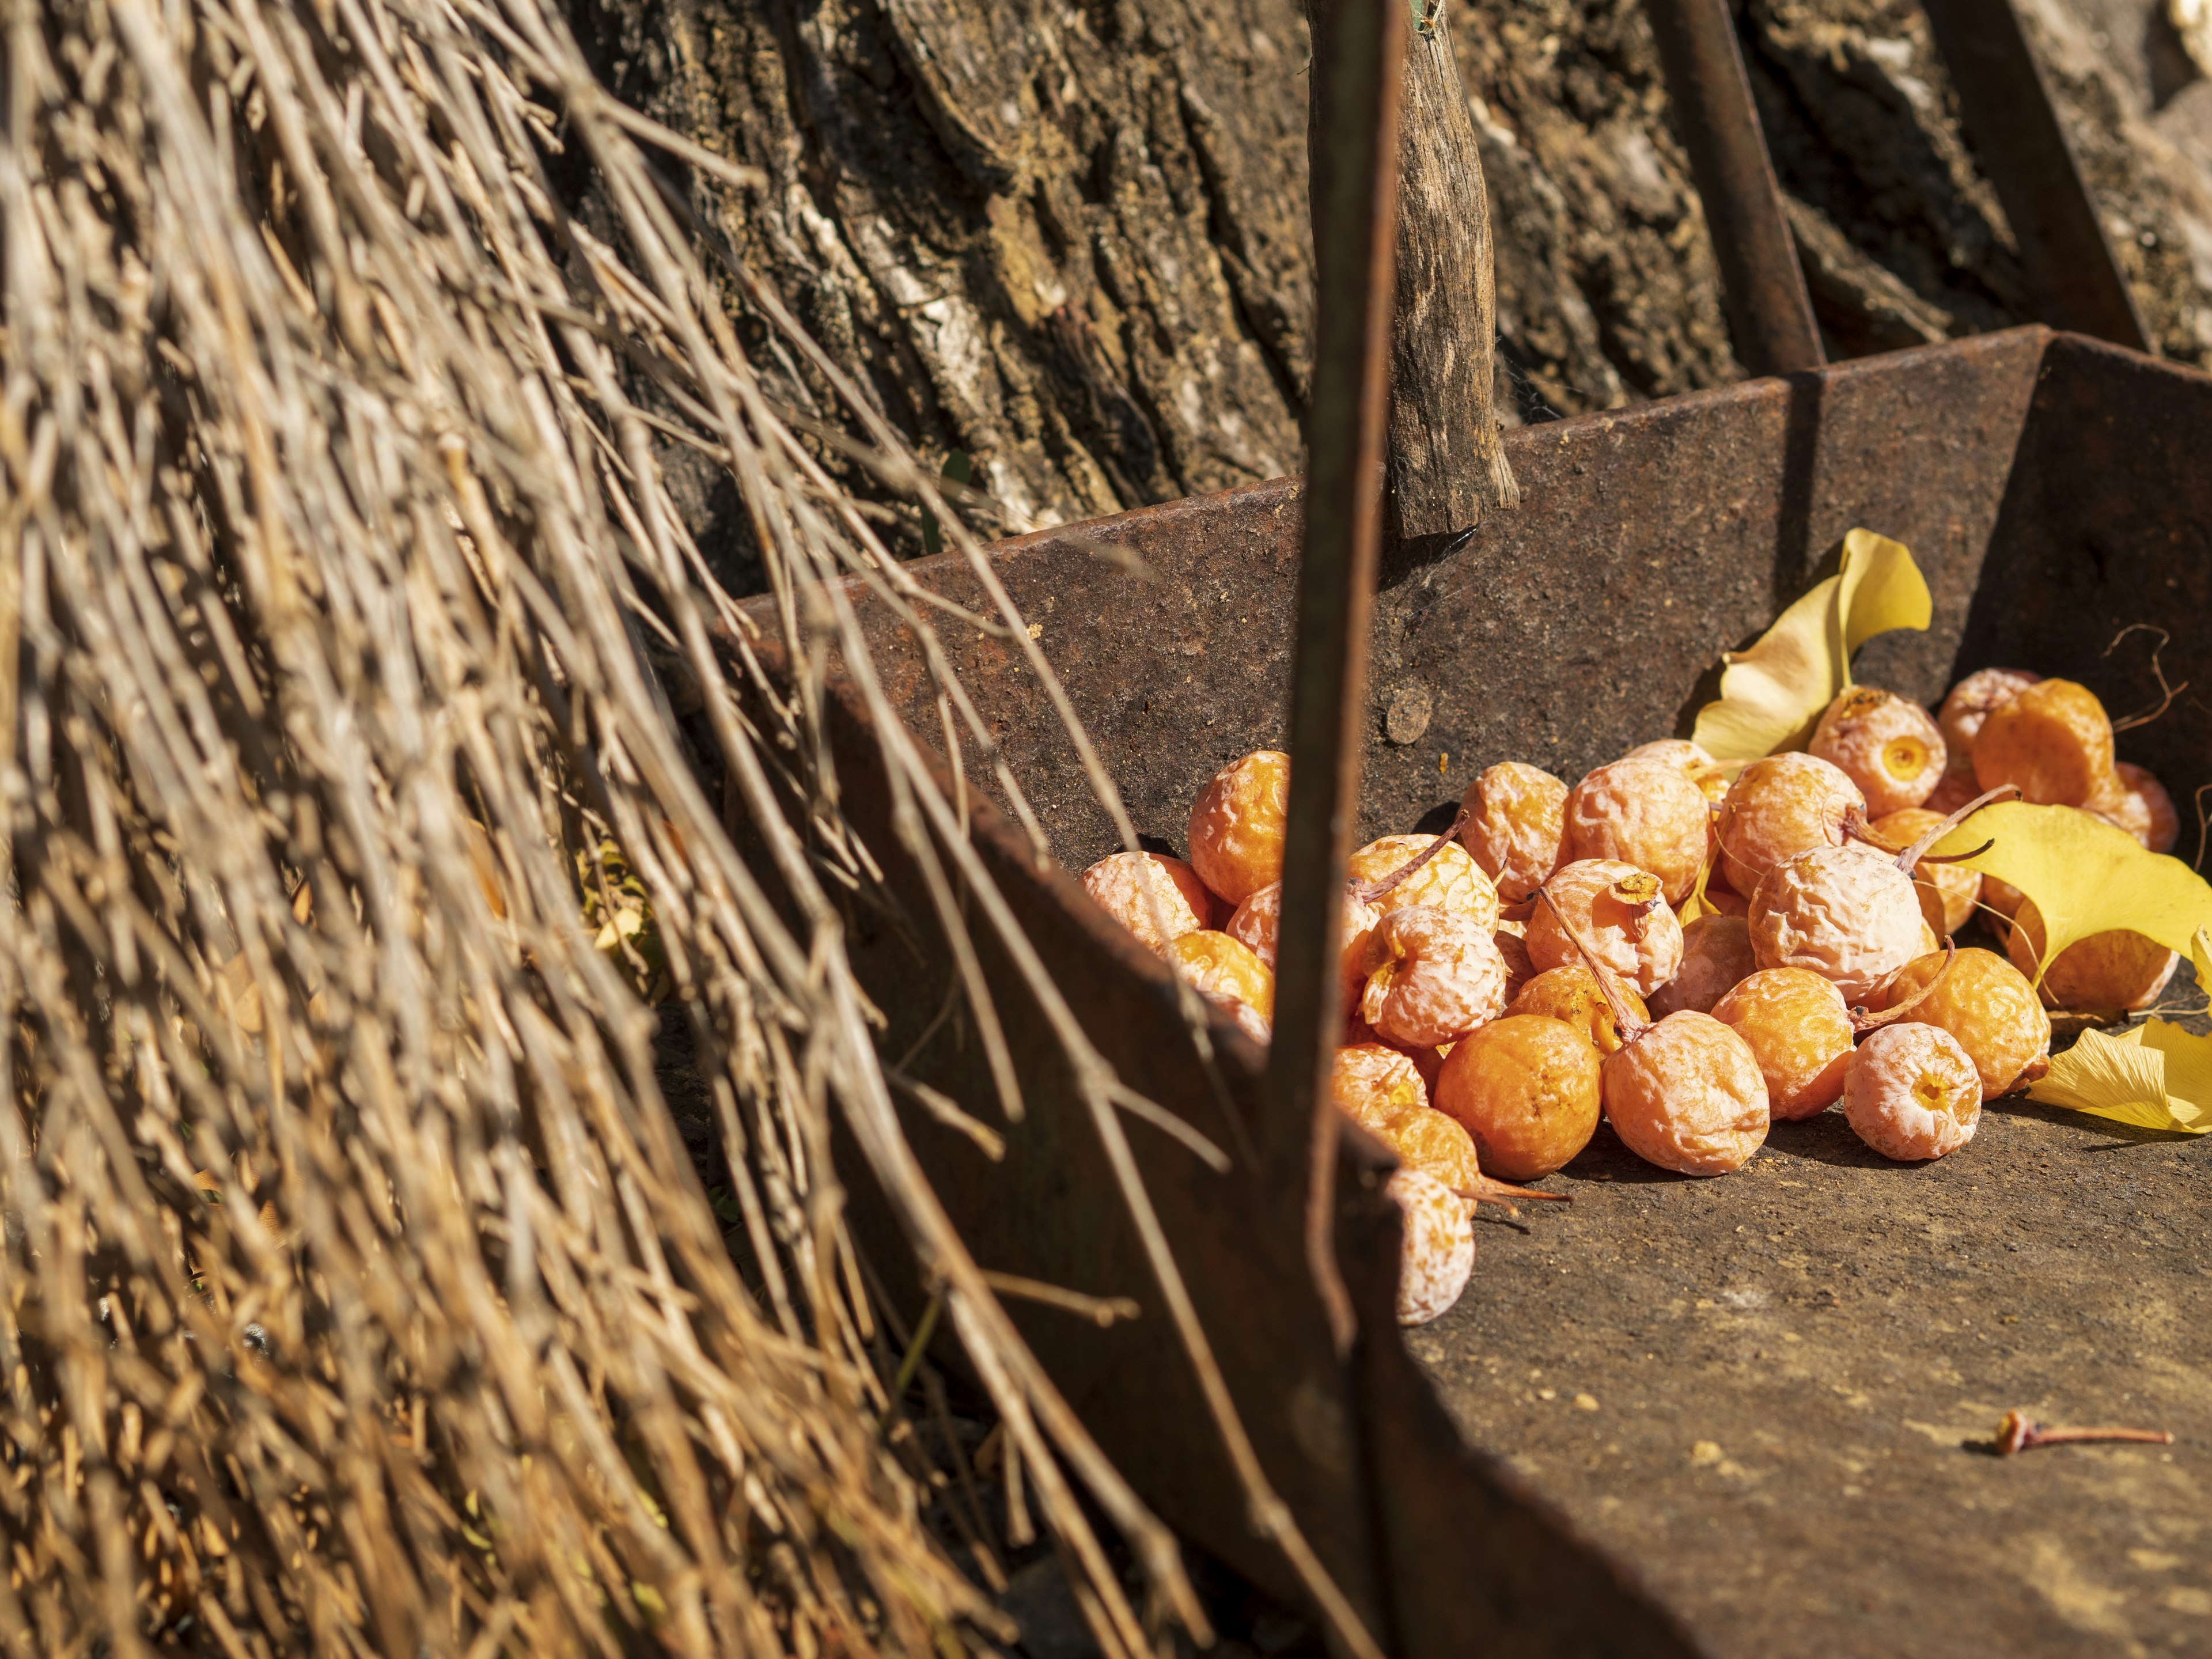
358, 1294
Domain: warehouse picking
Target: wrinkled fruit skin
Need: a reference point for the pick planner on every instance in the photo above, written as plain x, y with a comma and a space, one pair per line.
1438, 976
1436, 1256
1797, 1028
1450, 880
1912, 1092
1257, 919
1645, 812
1990, 1011
1687, 1096
1236, 825
1571, 993
1381, 1089
1887, 746
2052, 743
1516, 816
2138, 803
1717, 955
1778, 808
1947, 891
1155, 897
1846, 913
2105, 971
1227, 974
1619, 913
1526, 1089
1961, 721
1692, 760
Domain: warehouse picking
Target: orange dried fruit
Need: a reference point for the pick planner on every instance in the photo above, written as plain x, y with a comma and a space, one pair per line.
2102, 973
1436, 976
1716, 956
1572, 993
1225, 973
1645, 813
1912, 1092
1798, 1030
1256, 921
1237, 824
2052, 743
1961, 721
1436, 1254
2001, 897
1619, 913
1156, 897
2138, 803
1778, 807
1383, 1091
1947, 891
1989, 1009
1446, 876
1526, 1089
1691, 760
1515, 816
1888, 746
1686, 1094
1845, 913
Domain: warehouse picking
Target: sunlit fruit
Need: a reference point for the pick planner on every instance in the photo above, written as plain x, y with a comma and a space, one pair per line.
1686, 1094
1436, 975
1526, 1089
1437, 1255
2137, 802
2052, 743
1798, 1030
1256, 919
1381, 1089
1645, 813
1228, 974
1717, 954
1515, 816
2105, 972
1443, 876
1947, 891
1912, 1092
1887, 746
1988, 1008
1237, 824
1779, 807
1621, 915
1572, 993
1691, 760
1847, 914
1155, 897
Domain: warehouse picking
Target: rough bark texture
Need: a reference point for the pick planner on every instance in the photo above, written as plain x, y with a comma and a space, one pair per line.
1446, 468
1072, 241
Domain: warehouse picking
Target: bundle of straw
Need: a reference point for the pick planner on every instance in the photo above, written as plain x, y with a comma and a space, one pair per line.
358, 1293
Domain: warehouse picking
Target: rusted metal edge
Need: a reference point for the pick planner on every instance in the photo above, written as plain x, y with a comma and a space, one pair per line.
2072, 273
1762, 285
1359, 62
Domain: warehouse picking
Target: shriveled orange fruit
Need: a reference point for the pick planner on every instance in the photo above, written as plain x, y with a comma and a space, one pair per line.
2104, 972
1515, 816
1447, 877
2137, 802
1526, 1089
1382, 1091
1778, 808
1571, 993
1155, 897
1228, 974
1913, 1093
1256, 919
1717, 955
1798, 1030
1620, 915
1846, 912
1436, 1255
1237, 824
1989, 1009
1885, 743
1691, 759
1645, 812
1436, 976
1947, 891
1686, 1094
2052, 741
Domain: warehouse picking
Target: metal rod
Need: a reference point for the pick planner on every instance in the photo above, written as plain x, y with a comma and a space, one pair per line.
1762, 285
2073, 277
1358, 54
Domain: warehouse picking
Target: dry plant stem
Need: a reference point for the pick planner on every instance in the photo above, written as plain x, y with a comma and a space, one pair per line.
1862, 1022
2021, 1432
1911, 858
2166, 693
1368, 892
1502, 1194
1624, 1020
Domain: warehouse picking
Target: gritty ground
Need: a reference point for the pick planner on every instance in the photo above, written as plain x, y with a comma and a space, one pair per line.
1773, 1393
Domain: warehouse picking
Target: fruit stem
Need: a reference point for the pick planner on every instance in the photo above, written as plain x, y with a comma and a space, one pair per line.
1369, 891
1864, 1022
1486, 1191
1911, 855
2019, 1433
1626, 1023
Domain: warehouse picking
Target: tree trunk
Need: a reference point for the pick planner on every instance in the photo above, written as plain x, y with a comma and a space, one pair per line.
1071, 242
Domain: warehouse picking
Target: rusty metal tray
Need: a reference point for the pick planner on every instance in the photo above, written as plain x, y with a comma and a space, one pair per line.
1737, 1417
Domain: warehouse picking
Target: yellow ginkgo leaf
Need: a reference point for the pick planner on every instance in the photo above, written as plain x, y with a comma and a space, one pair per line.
1697, 904
2085, 875
2200, 958
1772, 695
2155, 1077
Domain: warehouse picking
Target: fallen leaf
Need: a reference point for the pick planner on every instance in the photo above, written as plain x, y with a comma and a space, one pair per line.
1773, 695
2087, 875
2156, 1076
1697, 904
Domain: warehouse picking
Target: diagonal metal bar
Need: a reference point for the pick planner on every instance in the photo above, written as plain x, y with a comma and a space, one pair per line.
2073, 275
1762, 285
1358, 54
